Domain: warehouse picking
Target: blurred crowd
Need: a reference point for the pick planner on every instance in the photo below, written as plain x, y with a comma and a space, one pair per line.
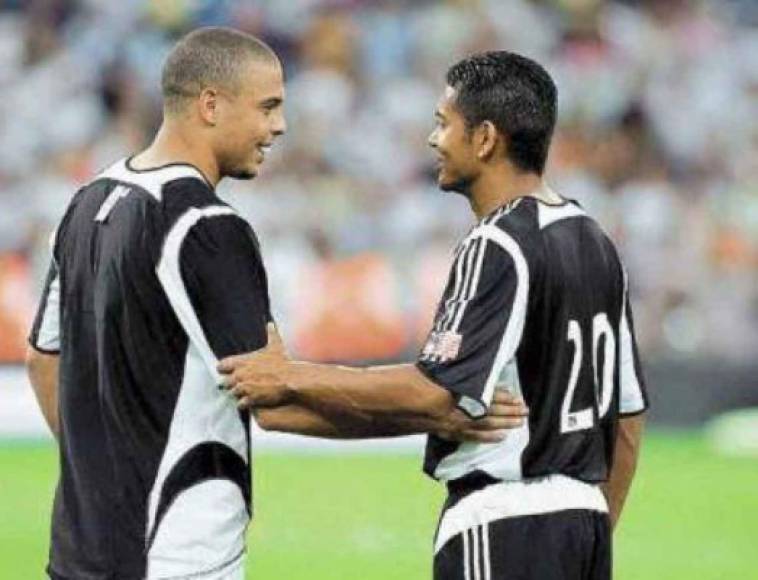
657, 137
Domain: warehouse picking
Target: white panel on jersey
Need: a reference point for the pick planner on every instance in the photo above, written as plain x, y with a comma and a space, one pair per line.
548, 214
48, 336
501, 460
515, 327
512, 499
118, 192
170, 276
151, 180
631, 398
203, 413
204, 529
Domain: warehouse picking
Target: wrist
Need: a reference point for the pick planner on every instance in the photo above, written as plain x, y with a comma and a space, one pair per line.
296, 385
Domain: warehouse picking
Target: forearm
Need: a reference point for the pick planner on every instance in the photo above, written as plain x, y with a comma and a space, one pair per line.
393, 400
627, 444
355, 425
42, 370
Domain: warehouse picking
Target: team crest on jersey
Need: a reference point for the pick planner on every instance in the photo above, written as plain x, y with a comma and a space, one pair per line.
443, 346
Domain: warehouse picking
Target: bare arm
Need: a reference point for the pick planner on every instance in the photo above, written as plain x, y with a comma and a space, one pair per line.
42, 370
381, 393
304, 421
628, 439
345, 402
506, 412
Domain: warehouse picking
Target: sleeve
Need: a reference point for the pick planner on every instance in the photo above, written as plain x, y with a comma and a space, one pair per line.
480, 321
212, 273
45, 332
633, 397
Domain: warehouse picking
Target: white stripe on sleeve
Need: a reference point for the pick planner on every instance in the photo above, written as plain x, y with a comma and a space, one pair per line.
631, 398
170, 276
49, 334
515, 326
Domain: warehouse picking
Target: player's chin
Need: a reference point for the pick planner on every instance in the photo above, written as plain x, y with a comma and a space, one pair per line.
246, 173
442, 177
445, 181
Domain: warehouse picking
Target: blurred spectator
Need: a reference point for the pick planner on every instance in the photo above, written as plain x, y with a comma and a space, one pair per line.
657, 137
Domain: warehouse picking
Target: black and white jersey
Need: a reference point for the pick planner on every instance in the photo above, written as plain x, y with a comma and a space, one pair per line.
153, 279
537, 303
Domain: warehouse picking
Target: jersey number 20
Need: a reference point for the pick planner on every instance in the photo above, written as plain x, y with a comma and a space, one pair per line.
584, 419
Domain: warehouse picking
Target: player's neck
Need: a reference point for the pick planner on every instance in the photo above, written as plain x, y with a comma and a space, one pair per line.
173, 144
500, 185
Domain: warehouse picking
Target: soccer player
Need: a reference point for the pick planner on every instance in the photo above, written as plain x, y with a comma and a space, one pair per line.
537, 300
153, 279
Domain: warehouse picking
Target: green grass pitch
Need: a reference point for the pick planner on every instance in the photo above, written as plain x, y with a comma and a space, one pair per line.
692, 515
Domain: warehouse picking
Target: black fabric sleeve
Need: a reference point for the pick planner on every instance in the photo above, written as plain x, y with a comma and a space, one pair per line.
478, 326
222, 271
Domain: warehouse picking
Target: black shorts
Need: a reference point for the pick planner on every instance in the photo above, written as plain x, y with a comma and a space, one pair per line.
568, 544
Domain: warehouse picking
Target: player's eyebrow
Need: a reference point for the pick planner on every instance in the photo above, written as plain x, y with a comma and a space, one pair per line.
438, 115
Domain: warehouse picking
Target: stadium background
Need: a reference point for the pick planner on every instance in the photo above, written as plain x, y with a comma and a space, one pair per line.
658, 138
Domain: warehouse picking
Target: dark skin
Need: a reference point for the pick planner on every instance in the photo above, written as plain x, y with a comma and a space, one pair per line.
472, 161
343, 402
42, 369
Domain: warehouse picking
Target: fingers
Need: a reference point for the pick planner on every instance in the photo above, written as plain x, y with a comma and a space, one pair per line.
274, 340
512, 410
472, 436
506, 398
273, 351
495, 423
231, 363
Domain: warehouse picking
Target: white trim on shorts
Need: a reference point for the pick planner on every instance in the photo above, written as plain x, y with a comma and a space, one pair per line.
512, 499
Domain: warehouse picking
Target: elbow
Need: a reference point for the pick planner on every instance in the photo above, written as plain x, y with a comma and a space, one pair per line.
33, 361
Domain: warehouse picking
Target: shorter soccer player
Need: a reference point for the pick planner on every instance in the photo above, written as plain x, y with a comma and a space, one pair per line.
537, 300
155, 460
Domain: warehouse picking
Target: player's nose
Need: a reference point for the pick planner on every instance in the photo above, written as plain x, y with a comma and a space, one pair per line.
432, 139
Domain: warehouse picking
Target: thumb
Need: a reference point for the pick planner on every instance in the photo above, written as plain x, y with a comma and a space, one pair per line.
274, 340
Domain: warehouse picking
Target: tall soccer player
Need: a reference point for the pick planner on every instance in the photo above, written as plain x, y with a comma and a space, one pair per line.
153, 279
537, 300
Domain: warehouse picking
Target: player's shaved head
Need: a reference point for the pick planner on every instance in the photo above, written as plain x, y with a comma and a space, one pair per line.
209, 57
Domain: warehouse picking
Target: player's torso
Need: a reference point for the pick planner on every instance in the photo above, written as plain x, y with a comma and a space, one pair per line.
136, 402
569, 337
567, 359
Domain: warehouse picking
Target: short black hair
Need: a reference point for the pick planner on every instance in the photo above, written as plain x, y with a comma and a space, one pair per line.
208, 56
516, 94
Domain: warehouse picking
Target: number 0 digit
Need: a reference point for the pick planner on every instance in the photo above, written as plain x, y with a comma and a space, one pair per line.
584, 419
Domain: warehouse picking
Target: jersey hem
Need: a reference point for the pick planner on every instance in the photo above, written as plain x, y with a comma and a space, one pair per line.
48, 351
634, 413
201, 574
463, 401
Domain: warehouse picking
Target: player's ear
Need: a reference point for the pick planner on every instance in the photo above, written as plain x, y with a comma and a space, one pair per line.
207, 103
486, 141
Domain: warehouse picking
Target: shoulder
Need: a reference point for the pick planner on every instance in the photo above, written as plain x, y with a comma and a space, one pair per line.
512, 229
